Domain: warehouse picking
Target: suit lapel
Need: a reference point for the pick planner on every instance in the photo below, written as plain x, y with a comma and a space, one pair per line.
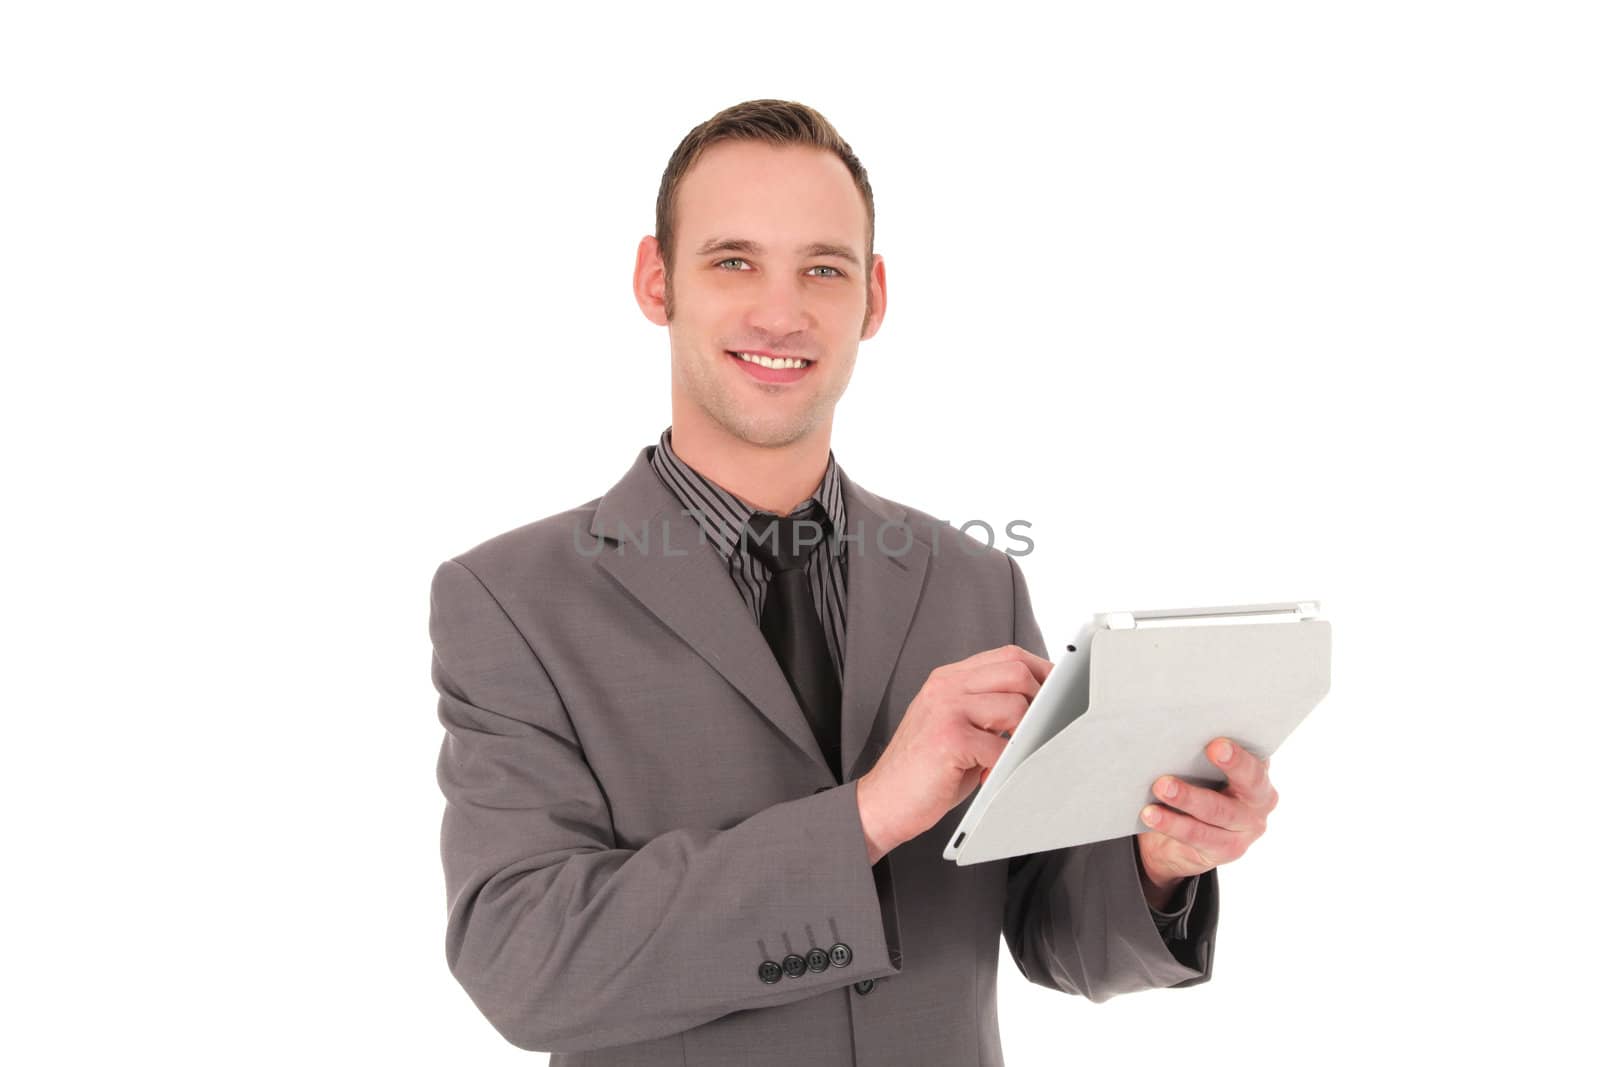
885, 569
654, 551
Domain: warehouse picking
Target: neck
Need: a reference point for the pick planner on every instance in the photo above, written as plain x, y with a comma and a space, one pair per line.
775, 479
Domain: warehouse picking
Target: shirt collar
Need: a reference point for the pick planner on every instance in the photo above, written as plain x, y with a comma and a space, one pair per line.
721, 514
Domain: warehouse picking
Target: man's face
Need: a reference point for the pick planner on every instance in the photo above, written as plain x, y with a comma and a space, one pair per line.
770, 258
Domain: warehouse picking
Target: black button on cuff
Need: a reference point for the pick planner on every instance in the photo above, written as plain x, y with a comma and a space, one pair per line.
794, 966
817, 960
840, 954
769, 971
864, 986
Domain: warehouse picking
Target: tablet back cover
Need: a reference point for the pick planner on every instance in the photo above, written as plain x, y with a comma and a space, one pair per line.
1156, 697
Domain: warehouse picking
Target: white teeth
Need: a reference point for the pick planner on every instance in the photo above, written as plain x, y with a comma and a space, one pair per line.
767, 361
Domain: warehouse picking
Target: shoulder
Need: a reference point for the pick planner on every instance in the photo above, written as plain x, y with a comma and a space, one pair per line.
972, 585
975, 556
542, 547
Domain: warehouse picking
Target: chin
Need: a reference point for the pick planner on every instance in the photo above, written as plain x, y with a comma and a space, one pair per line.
769, 433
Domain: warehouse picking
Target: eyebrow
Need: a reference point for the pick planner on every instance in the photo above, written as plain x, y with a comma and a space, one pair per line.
815, 248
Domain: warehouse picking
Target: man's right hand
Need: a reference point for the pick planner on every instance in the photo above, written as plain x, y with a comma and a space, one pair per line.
949, 739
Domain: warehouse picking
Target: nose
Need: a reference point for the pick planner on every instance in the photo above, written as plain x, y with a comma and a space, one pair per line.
778, 307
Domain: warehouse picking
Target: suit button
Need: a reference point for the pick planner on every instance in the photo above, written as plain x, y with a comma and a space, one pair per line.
817, 960
794, 966
840, 955
770, 972
864, 986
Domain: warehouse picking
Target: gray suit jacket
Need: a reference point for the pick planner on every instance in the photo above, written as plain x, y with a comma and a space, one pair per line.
640, 828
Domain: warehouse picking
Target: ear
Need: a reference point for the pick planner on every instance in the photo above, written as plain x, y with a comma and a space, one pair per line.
650, 280
877, 298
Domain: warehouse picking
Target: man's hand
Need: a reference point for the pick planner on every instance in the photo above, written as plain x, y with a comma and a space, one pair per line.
951, 736
1220, 825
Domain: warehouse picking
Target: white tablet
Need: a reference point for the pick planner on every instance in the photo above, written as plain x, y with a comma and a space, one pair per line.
1135, 695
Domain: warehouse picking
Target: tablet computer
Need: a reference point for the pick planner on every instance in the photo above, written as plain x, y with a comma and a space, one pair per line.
1135, 695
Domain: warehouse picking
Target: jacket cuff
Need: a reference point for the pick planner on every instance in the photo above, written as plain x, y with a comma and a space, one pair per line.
1180, 968
879, 916
1174, 922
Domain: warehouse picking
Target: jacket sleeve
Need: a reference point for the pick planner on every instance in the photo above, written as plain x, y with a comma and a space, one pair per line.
1076, 919
566, 942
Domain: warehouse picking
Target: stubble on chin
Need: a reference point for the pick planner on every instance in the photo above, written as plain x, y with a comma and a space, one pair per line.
775, 433
763, 429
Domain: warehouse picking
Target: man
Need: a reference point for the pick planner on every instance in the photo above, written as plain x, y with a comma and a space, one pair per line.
707, 734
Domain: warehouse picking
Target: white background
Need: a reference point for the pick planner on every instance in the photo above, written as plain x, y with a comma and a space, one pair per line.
1232, 302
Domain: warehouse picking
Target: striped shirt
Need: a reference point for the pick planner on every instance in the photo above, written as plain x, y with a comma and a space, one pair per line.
723, 516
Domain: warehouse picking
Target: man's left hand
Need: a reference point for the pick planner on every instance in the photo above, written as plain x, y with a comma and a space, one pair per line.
1220, 824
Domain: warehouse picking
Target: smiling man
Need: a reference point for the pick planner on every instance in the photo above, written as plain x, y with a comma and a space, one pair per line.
707, 734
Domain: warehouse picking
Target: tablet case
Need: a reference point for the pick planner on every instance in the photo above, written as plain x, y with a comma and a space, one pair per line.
1137, 695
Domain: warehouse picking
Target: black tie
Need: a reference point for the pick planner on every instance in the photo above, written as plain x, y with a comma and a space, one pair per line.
789, 619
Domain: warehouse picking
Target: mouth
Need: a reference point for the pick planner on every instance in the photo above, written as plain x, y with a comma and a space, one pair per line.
765, 368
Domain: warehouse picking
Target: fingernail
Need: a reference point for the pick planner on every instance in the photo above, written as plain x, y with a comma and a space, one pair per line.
1152, 814
1224, 752
1169, 788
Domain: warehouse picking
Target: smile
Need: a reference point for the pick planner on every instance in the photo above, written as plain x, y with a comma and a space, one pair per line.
772, 369
769, 361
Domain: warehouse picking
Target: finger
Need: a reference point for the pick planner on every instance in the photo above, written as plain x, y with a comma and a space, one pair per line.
994, 714
1037, 664
1000, 676
1247, 775
1213, 842
986, 746
1209, 805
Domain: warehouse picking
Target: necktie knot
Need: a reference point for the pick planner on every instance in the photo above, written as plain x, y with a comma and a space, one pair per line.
784, 543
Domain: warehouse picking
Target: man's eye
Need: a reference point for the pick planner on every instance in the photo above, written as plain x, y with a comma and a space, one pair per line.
823, 266
729, 261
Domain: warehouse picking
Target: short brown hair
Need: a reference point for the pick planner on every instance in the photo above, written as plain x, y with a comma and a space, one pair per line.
776, 122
